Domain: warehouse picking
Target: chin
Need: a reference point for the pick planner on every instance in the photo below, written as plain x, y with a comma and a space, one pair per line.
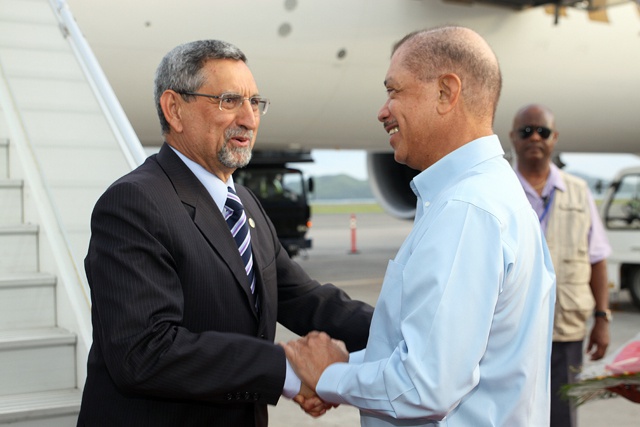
399, 159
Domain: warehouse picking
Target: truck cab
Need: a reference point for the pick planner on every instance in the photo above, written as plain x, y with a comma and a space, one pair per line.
283, 193
620, 212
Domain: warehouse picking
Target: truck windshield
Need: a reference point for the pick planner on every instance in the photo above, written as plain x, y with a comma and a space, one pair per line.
623, 211
279, 184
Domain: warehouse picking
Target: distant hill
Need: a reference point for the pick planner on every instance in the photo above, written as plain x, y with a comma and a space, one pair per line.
337, 187
343, 187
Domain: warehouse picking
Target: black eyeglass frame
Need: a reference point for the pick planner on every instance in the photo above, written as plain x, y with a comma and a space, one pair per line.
254, 101
526, 132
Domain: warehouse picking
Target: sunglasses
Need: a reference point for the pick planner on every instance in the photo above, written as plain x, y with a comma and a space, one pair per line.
527, 131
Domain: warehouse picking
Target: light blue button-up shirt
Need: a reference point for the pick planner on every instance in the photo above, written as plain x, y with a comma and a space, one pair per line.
461, 333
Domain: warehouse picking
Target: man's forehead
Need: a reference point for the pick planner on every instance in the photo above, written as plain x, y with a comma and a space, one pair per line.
535, 114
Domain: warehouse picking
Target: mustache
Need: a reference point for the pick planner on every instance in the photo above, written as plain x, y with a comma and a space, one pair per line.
238, 132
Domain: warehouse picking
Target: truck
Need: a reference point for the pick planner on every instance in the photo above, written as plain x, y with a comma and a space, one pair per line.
620, 213
284, 192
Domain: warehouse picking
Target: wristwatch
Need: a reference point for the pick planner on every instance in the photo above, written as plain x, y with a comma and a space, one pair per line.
606, 314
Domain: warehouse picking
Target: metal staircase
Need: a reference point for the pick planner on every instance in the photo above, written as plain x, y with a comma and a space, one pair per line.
63, 140
37, 359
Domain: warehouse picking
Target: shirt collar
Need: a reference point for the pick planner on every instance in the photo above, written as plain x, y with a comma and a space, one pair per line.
214, 185
555, 178
554, 181
436, 177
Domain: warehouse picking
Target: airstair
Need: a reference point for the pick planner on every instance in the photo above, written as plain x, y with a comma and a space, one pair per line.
63, 140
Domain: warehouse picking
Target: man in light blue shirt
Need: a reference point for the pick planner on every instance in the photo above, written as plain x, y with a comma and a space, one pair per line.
461, 333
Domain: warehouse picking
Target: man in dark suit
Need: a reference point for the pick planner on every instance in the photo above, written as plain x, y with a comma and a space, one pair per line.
183, 325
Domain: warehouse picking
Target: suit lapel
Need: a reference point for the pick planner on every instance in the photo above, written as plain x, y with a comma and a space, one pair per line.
206, 215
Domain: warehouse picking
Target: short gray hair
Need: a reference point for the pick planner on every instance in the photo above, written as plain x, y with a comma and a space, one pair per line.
450, 49
180, 69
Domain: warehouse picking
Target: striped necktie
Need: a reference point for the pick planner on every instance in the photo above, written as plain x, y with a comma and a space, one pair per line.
237, 222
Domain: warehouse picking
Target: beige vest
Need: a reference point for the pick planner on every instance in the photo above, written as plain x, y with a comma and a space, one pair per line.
567, 237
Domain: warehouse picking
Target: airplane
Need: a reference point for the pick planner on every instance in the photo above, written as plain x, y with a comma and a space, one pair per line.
322, 64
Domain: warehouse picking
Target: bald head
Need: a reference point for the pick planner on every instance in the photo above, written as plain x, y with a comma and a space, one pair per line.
534, 137
536, 110
461, 51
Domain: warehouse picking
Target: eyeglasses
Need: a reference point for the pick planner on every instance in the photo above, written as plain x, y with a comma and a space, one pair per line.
527, 131
233, 101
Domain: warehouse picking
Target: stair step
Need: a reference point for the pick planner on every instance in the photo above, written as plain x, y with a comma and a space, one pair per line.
26, 280
34, 338
27, 301
10, 201
50, 408
36, 360
18, 248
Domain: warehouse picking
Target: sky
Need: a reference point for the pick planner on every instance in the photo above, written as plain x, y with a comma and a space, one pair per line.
354, 163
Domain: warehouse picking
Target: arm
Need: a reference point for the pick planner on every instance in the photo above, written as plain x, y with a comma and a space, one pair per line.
599, 337
161, 315
435, 362
599, 249
303, 304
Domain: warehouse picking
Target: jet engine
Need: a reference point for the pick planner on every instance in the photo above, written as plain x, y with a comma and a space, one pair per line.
389, 182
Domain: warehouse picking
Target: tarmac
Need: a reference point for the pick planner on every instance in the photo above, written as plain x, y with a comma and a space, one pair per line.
358, 264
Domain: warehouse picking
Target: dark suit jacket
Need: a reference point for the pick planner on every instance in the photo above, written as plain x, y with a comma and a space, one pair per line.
176, 338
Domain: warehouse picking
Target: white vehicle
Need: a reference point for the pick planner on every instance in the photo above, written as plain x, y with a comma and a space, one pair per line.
620, 213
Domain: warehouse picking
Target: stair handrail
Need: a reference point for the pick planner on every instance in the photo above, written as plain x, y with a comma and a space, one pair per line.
115, 115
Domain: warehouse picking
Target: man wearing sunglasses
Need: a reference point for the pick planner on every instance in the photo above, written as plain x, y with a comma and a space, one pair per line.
578, 246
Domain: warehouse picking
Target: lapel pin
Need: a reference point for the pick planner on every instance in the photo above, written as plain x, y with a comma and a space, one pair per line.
252, 223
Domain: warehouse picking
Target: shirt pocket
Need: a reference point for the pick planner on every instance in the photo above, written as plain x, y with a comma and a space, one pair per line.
575, 297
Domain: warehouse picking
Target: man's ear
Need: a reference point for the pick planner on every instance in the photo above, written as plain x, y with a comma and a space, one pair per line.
171, 103
449, 87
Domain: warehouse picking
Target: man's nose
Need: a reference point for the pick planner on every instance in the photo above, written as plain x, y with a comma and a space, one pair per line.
383, 113
247, 116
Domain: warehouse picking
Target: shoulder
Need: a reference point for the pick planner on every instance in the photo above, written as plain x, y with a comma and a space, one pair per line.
573, 181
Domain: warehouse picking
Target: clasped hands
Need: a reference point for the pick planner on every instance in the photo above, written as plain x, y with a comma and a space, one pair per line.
309, 356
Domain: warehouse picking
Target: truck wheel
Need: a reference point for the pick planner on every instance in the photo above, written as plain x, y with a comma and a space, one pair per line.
634, 287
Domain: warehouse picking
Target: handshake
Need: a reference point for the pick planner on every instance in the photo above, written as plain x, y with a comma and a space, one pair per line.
309, 356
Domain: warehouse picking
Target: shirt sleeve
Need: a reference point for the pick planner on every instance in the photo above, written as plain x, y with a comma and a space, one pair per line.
450, 284
357, 357
291, 383
599, 247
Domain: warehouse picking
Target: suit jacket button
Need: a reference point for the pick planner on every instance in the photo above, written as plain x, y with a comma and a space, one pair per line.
247, 395
229, 396
238, 396
263, 337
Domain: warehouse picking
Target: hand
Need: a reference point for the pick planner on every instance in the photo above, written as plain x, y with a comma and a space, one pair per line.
310, 355
311, 403
599, 339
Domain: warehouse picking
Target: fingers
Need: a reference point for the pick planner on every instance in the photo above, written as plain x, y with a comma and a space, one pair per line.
340, 345
596, 350
309, 356
598, 341
311, 403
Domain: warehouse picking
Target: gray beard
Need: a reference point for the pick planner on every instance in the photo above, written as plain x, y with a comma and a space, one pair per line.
234, 158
